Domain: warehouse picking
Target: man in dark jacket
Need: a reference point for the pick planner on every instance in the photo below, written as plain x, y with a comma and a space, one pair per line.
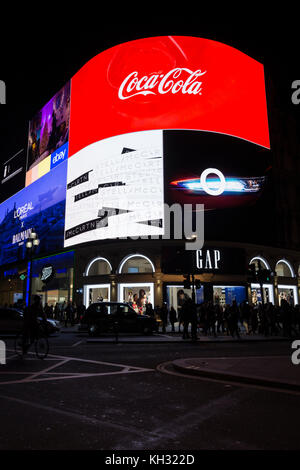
189, 313
31, 315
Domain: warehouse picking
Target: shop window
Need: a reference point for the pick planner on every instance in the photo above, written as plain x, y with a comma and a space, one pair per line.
98, 266
96, 293
225, 295
136, 264
284, 269
287, 293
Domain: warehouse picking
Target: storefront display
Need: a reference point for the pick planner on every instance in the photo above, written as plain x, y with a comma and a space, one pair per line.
225, 295
137, 294
268, 293
96, 293
175, 295
288, 293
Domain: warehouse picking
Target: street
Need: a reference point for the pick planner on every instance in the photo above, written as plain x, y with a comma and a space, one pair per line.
127, 396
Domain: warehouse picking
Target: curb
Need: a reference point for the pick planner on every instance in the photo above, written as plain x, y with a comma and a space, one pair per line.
182, 341
232, 377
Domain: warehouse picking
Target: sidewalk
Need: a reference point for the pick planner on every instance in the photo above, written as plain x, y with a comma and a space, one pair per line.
167, 337
267, 371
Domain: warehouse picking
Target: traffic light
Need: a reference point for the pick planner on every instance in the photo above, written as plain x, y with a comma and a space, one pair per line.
187, 282
252, 273
264, 276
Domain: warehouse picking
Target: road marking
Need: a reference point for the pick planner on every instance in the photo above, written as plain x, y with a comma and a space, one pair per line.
77, 344
49, 373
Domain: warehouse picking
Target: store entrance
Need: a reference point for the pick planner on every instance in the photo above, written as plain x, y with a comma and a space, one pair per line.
53, 297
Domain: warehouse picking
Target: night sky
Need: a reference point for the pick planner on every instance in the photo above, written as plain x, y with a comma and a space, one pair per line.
40, 56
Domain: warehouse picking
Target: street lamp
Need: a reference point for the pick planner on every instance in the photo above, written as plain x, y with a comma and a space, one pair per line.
31, 245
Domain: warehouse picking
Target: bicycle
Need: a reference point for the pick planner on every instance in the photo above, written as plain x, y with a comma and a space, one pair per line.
23, 342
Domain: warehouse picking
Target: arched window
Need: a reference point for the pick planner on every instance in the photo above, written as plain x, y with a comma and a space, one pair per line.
284, 268
263, 262
136, 264
98, 266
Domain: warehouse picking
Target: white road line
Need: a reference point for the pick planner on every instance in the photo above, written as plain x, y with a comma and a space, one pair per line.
44, 371
61, 360
77, 344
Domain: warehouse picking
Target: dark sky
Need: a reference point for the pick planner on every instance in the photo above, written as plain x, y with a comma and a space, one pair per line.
41, 54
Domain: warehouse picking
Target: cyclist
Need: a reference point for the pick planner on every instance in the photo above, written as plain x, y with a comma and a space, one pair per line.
31, 323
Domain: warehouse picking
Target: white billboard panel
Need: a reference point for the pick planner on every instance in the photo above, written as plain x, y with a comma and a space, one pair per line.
115, 189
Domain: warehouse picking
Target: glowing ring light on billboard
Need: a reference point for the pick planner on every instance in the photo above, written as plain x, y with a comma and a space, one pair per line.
207, 189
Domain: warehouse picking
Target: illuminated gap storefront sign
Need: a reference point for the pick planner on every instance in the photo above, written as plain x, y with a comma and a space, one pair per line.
219, 260
208, 259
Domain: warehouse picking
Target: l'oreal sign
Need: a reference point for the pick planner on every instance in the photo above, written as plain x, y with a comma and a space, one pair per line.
21, 211
208, 259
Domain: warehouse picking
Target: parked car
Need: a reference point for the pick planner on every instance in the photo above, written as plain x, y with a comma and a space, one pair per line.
11, 321
103, 317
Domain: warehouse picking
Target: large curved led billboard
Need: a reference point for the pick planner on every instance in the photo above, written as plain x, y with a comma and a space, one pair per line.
152, 121
128, 103
171, 82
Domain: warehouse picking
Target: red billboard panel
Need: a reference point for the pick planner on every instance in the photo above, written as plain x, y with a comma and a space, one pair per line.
170, 82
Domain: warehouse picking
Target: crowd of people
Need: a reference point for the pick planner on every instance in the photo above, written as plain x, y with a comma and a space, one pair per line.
232, 320
67, 313
208, 319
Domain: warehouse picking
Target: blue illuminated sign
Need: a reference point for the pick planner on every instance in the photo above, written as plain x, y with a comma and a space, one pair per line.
40, 206
60, 155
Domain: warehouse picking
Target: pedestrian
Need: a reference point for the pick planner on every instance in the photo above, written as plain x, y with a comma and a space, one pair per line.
164, 316
31, 322
194, 320
186, 319
149, 309
80, 311
245, 315
211, 318
173, 318
233, 319
219, 318
68, 314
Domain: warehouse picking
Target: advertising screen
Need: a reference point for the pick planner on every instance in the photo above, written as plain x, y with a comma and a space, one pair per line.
115, 189
148, 119
197, 103
48, 136
40, 206
13, 174
169, 82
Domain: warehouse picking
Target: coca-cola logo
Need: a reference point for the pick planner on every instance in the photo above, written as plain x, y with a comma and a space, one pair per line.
178, 80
